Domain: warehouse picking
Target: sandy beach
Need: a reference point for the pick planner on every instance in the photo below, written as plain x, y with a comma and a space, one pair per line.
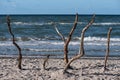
82, 69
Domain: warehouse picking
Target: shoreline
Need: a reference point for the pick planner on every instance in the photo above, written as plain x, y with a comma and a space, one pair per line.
82, 69
55, 57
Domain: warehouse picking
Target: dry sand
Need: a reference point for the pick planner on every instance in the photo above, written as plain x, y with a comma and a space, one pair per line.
83, 69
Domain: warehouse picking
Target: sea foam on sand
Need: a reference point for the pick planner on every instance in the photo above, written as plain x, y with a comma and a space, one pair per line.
82, 69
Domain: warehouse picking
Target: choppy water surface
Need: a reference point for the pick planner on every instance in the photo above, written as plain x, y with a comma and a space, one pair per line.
36, 35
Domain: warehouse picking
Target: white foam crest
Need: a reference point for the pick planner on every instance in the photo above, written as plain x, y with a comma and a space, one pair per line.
88, 41
81, 22
18, 23
3, 43
107, 23
34, 23
104, 23
68, 23
63, 23
98, 39
46, 50
94, 39
62, 43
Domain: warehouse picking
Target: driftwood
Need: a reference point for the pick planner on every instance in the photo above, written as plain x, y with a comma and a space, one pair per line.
13, 39
66, 41
45, 61
81, 50
107, 49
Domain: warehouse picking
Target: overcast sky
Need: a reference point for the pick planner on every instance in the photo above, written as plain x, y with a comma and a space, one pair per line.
59, 6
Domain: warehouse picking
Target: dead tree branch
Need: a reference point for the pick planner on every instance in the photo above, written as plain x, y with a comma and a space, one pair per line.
62, 37
66, 41
107, 49
13, 39
45, 61
81, 50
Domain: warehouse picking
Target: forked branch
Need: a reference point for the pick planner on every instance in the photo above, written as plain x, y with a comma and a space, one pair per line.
13, 39
107, 49
81, 50
66, 41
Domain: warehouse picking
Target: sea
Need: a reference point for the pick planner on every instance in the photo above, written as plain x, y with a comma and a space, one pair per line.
36, 35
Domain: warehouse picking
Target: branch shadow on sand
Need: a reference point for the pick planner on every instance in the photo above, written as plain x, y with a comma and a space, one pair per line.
100, 73
53, 68
107, 73
97, 74
31, 69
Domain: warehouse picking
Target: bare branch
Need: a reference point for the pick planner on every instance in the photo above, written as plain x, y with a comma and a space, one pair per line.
13, 39
72, 30
62, 37
45, 61
81, 51
68, 40
107, 49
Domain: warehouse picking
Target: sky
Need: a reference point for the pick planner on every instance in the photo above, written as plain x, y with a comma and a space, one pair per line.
60, 6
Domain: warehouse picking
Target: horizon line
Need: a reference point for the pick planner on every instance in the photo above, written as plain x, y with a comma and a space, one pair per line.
59, 14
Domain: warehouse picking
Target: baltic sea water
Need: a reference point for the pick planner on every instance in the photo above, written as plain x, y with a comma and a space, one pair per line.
36, 34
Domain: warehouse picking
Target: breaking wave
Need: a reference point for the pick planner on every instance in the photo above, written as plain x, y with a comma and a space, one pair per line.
62, 23
88, 41
106, 23
32, 23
